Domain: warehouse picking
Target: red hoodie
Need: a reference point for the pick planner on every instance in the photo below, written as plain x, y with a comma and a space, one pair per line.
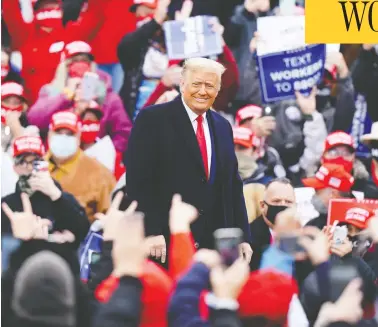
41, 51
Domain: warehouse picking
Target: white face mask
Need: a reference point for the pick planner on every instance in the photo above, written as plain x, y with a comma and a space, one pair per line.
63, 146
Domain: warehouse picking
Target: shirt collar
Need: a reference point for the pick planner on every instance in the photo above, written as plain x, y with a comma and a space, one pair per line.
192, 115
65, 167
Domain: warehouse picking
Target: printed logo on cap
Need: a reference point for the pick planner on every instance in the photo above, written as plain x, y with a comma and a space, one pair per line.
249, 112
65, 118
78, 47
242, 133
12, 89
359, 214
339, 138
28, 144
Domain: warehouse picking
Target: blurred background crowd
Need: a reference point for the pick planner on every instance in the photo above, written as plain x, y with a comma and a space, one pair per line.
63, 175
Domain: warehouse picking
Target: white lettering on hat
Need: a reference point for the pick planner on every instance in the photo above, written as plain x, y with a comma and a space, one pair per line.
250, 112
78, 47
28, 143
65, 118
12, 88
49, 14
340, 138
242, 133
357, 214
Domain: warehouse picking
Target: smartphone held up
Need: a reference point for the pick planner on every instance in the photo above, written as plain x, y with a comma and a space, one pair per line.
227, 241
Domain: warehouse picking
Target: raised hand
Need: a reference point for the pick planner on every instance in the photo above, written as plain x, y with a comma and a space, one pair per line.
113, 216
181, 215
26, 225
185, 11
161, 11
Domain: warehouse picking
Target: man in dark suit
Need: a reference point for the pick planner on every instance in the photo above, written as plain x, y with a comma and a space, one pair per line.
279, 195
183, 147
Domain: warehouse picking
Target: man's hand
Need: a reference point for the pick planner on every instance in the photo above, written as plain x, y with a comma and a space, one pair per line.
315, 242
228, 283
73, 84
254, 41
342, 249
185, 11
161, 11
264, 126
337, 59
307, 104
245, 251
157, 247
128, 250
25, 225
209, 258
167, 96
61, 237
181, 215
172, 76
346, 309
42, 181
112, 217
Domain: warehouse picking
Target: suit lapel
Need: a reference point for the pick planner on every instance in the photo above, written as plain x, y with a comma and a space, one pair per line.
217, 135
184, 129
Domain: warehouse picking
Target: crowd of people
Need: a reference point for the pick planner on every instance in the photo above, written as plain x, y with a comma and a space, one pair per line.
111, 204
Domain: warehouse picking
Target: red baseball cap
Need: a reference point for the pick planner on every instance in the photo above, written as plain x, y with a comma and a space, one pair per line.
330, 175
78, 47
358, 217
244, 137
248, 112
28, 144
149, 3
339, 138
65, 119
12, 89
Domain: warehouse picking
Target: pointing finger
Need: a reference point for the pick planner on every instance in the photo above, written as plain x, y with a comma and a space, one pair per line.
26, 203
8, 211
117, 201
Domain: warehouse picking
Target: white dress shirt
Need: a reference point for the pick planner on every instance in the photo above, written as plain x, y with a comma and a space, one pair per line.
193, 116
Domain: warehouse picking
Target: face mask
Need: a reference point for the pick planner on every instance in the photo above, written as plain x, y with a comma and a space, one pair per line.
63, 146
340, 161
273, 211
23, 184
4, 109
4, 71
319, 205
78, 68
89, 131
49, 18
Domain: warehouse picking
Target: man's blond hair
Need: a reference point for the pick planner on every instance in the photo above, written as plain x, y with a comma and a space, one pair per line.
204, 64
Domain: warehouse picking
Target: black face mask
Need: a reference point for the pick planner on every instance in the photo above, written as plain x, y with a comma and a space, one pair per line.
273, 211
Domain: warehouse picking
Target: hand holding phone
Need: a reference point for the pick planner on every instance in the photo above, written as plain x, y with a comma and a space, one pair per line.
227, 241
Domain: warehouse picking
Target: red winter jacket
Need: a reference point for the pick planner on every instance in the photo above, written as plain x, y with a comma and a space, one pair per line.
118, 22
230, 82
41, 51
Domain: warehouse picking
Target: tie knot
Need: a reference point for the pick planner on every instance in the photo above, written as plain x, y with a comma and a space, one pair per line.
199, 119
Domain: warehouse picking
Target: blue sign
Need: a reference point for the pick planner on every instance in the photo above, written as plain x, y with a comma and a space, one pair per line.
192, 37
361, 125
283, 73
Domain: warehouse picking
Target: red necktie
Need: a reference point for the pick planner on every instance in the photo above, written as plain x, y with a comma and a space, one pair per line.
202, 144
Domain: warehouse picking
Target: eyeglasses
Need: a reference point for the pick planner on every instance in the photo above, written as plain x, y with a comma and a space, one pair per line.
27, 163
339, 152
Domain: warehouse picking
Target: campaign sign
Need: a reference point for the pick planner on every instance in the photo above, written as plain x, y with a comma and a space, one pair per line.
361, 125
192, 37
344, 209
283, 73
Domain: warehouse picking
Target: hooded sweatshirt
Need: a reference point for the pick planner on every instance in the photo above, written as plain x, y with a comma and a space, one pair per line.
114, 122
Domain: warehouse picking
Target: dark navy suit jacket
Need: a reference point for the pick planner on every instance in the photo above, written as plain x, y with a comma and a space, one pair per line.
163, 158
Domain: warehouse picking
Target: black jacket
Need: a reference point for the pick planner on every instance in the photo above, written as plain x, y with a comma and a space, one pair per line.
65, 213
131, 53
171, 163
124, 307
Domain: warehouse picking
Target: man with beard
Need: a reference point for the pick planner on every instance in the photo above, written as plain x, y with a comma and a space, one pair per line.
330, 182
279, 195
